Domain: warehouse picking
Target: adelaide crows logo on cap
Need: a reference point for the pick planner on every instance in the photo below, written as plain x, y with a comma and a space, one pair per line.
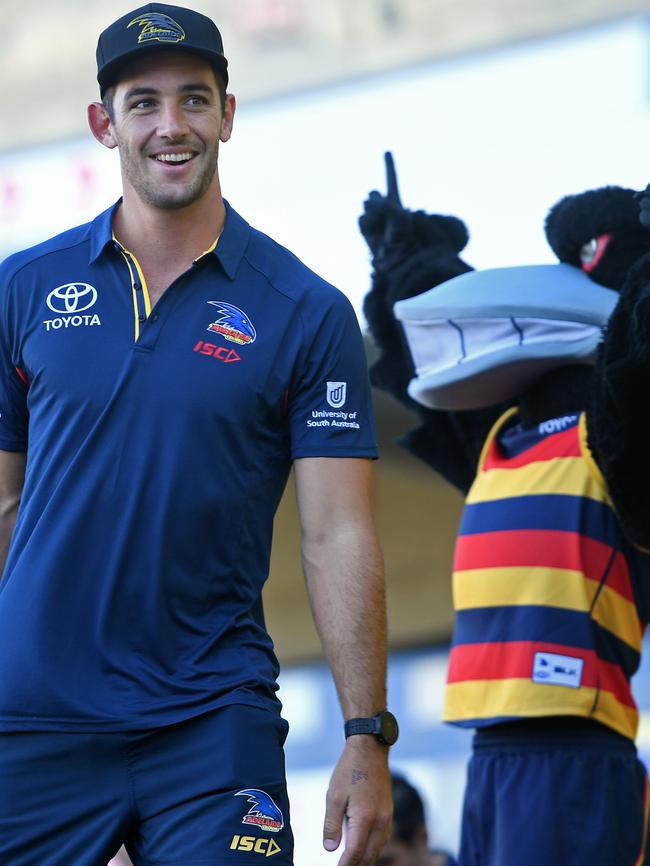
234, 324
263, 813
158, 27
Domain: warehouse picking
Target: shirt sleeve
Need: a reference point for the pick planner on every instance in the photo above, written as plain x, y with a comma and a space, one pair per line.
330, 405
13, 385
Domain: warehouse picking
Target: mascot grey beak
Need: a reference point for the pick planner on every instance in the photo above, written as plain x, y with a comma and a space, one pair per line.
483, 337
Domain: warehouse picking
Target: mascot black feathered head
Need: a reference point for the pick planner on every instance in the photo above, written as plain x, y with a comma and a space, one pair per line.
599, 232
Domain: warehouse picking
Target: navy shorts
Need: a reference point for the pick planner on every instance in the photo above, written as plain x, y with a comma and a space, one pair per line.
210, 791
544, 796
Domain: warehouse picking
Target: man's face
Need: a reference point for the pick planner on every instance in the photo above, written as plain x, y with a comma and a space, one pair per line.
167, 123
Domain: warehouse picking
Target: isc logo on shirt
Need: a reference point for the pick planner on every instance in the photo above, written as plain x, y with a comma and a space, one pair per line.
266, 847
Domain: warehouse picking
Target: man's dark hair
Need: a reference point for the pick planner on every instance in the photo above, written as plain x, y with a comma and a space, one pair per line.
222, 90
107, 102
109, 95
408, 809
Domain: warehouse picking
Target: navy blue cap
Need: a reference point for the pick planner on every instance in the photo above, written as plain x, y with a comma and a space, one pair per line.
156, 27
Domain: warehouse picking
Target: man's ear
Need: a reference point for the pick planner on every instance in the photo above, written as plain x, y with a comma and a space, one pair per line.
100, 125
228, 117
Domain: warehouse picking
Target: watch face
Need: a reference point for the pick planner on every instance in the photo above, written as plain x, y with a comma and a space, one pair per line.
388, 728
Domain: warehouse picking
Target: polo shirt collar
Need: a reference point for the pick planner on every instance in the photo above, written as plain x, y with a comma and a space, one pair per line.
101, 232
229, 250
233, 241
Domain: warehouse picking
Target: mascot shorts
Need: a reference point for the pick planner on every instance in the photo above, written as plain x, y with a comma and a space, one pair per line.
540, 794
209, 791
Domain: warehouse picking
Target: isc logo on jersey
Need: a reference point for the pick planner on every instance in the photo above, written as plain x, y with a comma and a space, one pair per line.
71, 303
266, 847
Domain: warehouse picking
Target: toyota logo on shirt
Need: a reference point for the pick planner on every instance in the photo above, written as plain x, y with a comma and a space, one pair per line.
72, 298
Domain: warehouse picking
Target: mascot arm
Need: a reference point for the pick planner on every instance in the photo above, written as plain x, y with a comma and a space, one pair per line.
451, 442
618, 411
412, 252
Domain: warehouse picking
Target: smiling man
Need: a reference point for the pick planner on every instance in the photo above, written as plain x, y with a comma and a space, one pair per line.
160, 372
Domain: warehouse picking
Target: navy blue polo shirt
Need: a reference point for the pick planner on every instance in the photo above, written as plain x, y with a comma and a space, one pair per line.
159, 443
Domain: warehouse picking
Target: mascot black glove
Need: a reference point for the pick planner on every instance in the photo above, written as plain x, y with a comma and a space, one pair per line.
644, 207
387, 226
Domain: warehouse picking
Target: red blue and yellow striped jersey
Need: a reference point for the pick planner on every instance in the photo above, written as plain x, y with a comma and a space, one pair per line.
546, 589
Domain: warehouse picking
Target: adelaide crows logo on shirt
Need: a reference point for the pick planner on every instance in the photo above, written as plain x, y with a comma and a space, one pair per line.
234, 324
158, 27
263, 813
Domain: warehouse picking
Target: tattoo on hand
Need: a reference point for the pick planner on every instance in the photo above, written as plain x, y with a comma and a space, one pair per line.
359, 776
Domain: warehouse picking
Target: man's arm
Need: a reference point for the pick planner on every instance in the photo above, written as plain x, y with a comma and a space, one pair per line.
12, 476
343, 568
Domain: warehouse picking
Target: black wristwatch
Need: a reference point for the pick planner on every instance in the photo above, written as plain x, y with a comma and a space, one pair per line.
383, 726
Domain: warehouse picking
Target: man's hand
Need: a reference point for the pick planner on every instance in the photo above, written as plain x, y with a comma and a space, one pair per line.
360, 791
344, 571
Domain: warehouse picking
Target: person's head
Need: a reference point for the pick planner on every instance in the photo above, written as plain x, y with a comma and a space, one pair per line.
408, 844
163, 78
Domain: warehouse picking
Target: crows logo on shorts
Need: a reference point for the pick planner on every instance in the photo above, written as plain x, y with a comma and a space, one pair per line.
263, 813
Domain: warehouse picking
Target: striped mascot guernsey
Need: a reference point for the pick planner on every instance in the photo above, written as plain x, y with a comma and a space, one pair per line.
531, 388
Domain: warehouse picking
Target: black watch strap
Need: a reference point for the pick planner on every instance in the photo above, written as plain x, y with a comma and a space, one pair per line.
383, 726
360, 726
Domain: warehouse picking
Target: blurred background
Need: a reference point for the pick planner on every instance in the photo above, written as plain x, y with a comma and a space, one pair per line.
494, 109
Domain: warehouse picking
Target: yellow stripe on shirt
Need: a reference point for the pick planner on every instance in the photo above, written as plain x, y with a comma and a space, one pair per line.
547, 587
522, 698
557, 476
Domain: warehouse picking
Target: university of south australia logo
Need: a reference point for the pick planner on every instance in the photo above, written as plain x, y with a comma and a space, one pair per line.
336, 394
